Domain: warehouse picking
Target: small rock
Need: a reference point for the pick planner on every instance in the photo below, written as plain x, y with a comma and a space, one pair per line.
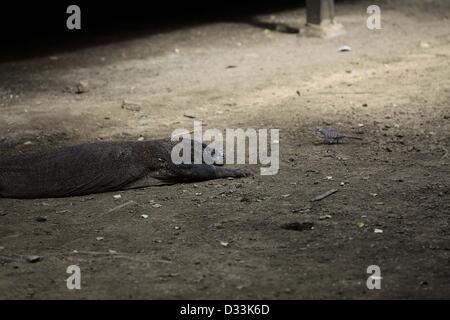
218, 225
157, 205
26, 143
81, 87
117, 196
33, 259
327, 216
131, 106
360, 224
302, 210
141, 139
224, 243
424, 45
345, 48
378, 231
112, 251
144, 216
285, 195
177, 228
99, 238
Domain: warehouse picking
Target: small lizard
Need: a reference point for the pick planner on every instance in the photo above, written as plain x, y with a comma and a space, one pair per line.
334, 137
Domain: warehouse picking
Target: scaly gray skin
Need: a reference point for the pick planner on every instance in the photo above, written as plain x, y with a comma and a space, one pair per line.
100, 167
333, 136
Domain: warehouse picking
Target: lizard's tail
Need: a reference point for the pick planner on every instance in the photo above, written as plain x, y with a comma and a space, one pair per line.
356, 138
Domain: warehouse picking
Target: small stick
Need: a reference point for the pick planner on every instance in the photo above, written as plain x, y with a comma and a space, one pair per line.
326, 194
121, 206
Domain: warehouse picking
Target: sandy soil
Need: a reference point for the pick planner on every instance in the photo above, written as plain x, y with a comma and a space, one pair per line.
393, 90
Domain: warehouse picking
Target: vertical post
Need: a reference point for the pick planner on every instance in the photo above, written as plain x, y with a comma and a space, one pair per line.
319, 10
320, 19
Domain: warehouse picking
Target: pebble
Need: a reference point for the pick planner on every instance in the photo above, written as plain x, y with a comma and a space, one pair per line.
424, 44
81, 87
33, 259
345, 48
131, 106
224, 243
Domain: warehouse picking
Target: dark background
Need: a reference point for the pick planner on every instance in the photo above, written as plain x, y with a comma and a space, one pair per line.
35, 28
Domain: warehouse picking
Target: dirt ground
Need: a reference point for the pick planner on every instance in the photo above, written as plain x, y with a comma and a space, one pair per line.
225, 238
